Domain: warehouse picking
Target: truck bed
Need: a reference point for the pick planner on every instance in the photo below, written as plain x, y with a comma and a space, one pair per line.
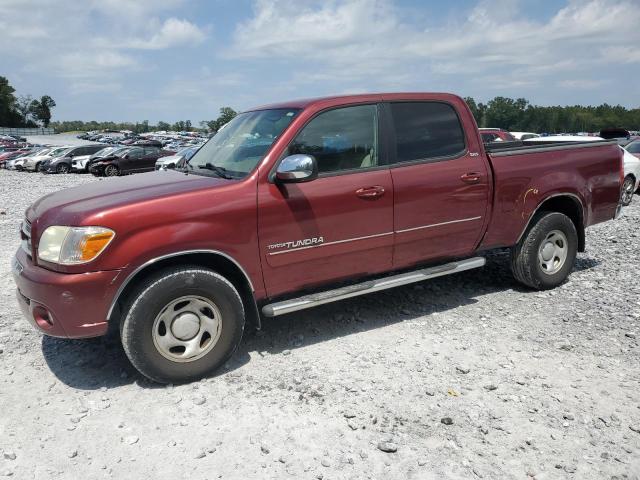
524, 176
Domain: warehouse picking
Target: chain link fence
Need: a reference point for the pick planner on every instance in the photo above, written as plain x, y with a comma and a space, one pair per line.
26, 131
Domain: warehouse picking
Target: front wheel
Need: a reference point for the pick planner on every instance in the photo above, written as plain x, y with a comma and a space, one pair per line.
62, 168
628, 190
545, 255
111, 171
182, 324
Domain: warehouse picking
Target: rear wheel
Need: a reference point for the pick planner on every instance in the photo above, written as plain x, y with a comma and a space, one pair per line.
182, 324
628, 190
37, 169
545, 255
111, 171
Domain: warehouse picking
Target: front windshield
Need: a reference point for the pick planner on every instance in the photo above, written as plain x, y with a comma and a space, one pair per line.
124, 151
633, 147
104, 152
58, 151
237, 149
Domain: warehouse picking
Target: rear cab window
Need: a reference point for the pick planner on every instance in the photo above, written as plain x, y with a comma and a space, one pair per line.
425, 131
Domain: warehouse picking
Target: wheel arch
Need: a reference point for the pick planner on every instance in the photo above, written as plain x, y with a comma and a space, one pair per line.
218, 261
567, 204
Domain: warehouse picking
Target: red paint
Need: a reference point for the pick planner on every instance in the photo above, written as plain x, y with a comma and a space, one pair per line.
165, 212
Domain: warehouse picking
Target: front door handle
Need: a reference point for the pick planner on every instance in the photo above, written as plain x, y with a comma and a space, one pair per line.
471, 177
370, 193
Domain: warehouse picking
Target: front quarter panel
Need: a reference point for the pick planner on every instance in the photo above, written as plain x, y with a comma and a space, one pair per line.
222, 219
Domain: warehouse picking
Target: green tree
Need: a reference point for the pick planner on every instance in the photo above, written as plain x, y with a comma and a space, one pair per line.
163, 126
41, 109
226, 115
8, 115
506, 113
478, 110
23, 107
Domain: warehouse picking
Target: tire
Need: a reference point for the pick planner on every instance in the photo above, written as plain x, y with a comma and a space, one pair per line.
149, 324
111, 171
62, 168
37, 169
538, 261
627, 190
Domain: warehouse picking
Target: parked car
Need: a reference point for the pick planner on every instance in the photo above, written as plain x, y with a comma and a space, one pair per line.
16, 163
62, 163
524, 135
6, 156
148, 143
621, 135
633, 148
130, 160
490, 135
299, 204
34, 163
631, 182
80, 164
173, 161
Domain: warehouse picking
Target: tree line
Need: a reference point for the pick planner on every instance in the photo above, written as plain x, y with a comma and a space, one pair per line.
226, 114
500, 112
519, 115
23, 111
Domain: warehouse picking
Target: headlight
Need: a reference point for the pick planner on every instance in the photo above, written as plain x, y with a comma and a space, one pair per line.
73, 245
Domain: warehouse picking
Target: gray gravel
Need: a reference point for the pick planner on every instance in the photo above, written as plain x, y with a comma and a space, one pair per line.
468, 376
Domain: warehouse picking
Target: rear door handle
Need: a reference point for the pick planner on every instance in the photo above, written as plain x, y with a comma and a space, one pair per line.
471, 177
370, 193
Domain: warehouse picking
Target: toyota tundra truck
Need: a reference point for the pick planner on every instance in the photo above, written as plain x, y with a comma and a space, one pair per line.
298, 204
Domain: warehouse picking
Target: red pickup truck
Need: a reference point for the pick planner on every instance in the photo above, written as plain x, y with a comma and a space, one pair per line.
298, 204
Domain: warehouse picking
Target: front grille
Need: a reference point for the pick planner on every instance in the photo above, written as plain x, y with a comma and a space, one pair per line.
25, 237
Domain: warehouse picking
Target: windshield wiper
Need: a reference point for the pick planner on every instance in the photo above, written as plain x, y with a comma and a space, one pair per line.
220, 171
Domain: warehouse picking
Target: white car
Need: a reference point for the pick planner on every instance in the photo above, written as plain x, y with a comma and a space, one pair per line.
524, 135
79, 163
172, 161
631, 163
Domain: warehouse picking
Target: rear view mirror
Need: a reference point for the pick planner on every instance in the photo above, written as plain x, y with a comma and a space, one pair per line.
297, 169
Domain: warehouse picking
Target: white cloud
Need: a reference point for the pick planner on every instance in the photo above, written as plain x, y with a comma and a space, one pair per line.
366, 42
173, 33
93, 39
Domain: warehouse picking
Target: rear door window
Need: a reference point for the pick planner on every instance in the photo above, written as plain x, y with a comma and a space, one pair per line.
426, 131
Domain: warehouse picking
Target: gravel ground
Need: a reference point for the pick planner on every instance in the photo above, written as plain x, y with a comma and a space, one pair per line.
468, 376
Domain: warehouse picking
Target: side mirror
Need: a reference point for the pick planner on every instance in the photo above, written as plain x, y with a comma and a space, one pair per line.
126, 157
297, 169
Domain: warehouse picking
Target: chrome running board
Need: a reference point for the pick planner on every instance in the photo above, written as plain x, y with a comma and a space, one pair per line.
369, 286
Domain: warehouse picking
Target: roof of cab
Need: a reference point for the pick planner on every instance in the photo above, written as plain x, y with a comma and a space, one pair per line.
365, 97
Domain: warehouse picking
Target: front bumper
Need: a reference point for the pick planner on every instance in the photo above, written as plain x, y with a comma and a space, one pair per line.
61, 304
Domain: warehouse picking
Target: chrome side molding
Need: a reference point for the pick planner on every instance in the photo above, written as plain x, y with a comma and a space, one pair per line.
369, 286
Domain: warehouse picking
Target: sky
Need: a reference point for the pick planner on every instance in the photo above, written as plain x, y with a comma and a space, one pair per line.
134, 60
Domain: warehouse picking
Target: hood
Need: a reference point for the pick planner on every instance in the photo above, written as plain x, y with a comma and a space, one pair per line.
169, 159
70, 206
81, 158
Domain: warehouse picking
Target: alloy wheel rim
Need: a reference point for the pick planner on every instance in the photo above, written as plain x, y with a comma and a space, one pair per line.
187, 328
627, 194
110, 171
553, 252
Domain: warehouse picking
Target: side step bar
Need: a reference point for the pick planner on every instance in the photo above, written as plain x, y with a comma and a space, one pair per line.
370, 286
